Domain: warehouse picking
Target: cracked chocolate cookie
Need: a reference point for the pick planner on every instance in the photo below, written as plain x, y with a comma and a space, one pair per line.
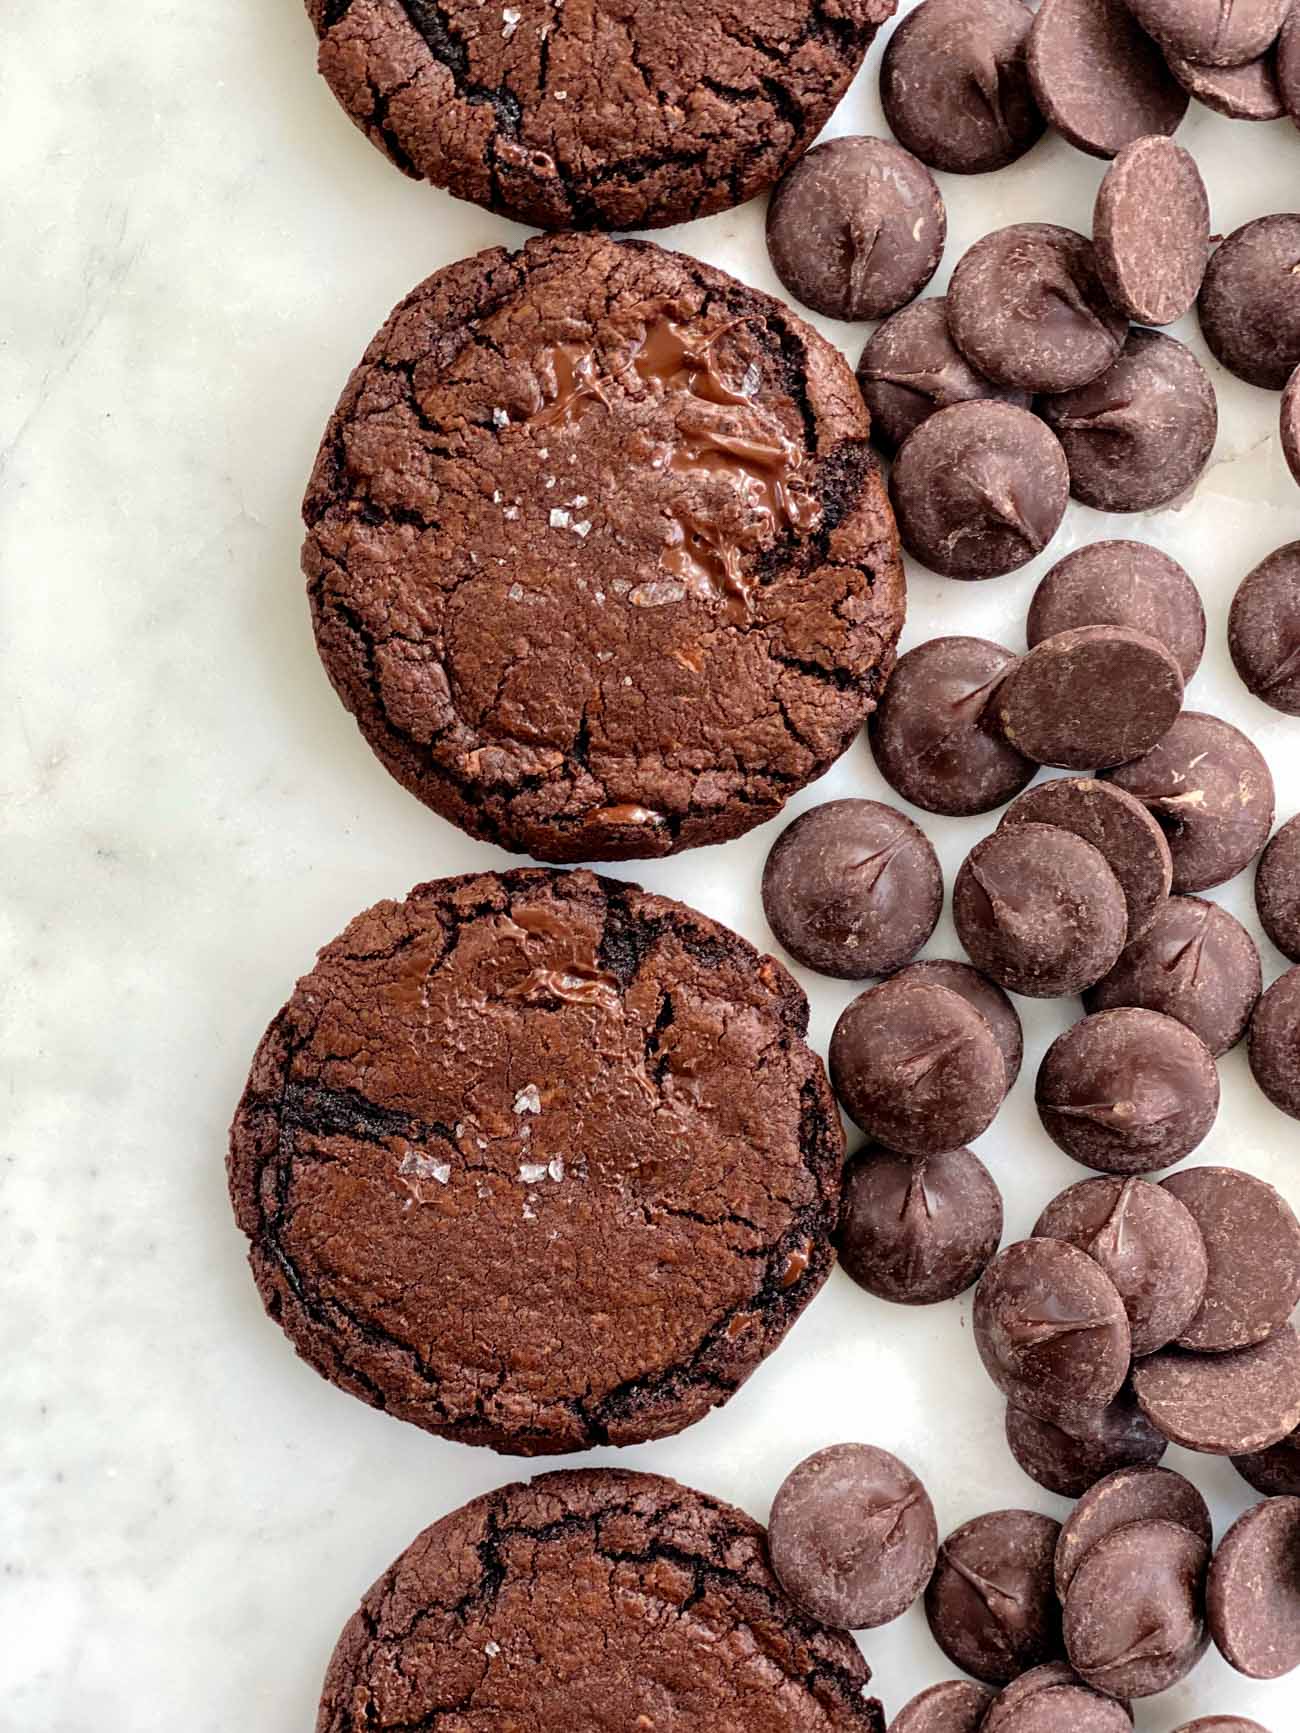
626, 115
538, 1161
592, 1598
598, 553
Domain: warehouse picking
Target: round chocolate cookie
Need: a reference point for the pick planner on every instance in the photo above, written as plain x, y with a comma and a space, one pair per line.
916, 1229
542, 1605
1122, 583
911, 366
1277, 889
1252, 1599
1151, 231
1141, 433
1027, 308
1224, 1404
1119, 828
955, 1706
1128, 1091
1274, 1471
512, 1169
979, 489
1249, 92
1051, 1331
852, 888
917, 1067
1039, 910
934, 734
1134, 1613
1096, 695
1288, 424
1149, 1245
1069, 1462
987, 998
991, 1603
1250, 301
1215, 33
597, 552
852, 1536
619, 119
1211, 792
1138, 1494
1264, 630
954, 84
1100, 80
856, 228
1252, 1240
1196, 963
1274, 1045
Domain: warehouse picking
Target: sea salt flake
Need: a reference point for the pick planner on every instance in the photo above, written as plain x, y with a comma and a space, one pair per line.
496, 492
579, 499
492, 1650
511, 512
499, 416
583, 528
529, 1099
516, 592
555, 1167
531, 1171
510, 22
560, 519
425, 1166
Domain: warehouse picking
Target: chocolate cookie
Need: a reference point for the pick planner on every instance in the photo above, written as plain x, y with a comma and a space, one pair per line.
1139, 1494
955, 1706
1151, 230
623, 119
1210, 31
1264, 630
597, 551
911, 366
916, 1229
1252, 1240
1100, 80
991, 1604
1253, 1595
1274, 1046
1069, 1462
512, 1170
1250, 301
1196, 963
1122, 583
1134, 1613
1139, 434
856, 228
1274, 1471
543, 1604
1224, 1404
987, 998
1249, 92
955, 87
1277, 890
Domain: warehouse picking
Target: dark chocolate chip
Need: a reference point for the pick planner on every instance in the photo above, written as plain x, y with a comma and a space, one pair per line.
1249, 92
1027, 307
917, 1068
1288, 64
985, 995
955, 1706
1277, 890
1099, 79
1252, 1600
916, 1229
1095, 695
852, 1536
1122, 583
1069, 1462
991, 1603
1221, 1724
856, 228
1051, 1330
1151, 230
1224, 1404
1134, 1613
1052, 1676
1274, 1044
1264, 630
1210, 31
1252, 1240
1139, 1494
911, 367
979, 489
1289, 424
1274, 1471
1066, 1709
1039, 910
1196, 963
1250, 301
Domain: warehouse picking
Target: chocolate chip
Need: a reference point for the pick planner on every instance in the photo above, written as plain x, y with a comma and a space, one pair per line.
1249, 92
911, 366
1141, 433
1066, 1709
1274, 1045
1119, 827
852, 1536
1027, 307
1264, 630
1211, 792
1151, 230
1053, 1675
1148, 1244
1288, 65
1274, 1471
1134, 1613
954, 85
1069, 1462
917, 1068
1051, 1330
852, 888
987, 998
1100, 80
1197, 963
1128, 1091
991, 1604
1289, 424
1253, 1597
1096, 695
1122, 583
933, 733
1209, 31
1139, 1494
1250, 301
1224, 1404
956, 1706
1252, 1240
1039, 910
1221, 1724
1277, 890
979, 489
916, 1229
856, 228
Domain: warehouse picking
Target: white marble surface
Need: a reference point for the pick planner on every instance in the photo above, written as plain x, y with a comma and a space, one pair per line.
198, 247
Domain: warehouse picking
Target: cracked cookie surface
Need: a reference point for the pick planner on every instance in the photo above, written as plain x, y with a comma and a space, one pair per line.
592, 1599
538, 1161
612, 114
597, 551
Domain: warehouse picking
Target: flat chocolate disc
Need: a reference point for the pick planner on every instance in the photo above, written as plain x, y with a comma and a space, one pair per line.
1134, 1613
991, 1603
956, 1706
916, 1229
1250, 301
985, 995
1249, 92
1264, 630
1277, 890
1068, 1463
1100, 80
1066, 1709
1224, 1404
1212, 31
1094, 696
1253, 1595
1252, 1242
1274, 1471
1049, 1677
1122, 583
1274, 1045
911, 366
1139, 1494
1151, 230
1289, 424
1221, 1724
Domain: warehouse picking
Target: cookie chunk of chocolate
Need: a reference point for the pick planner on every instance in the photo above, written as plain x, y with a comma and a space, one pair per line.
1099, 79
1097, 695
911, 367
1122, 583
1151, 230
